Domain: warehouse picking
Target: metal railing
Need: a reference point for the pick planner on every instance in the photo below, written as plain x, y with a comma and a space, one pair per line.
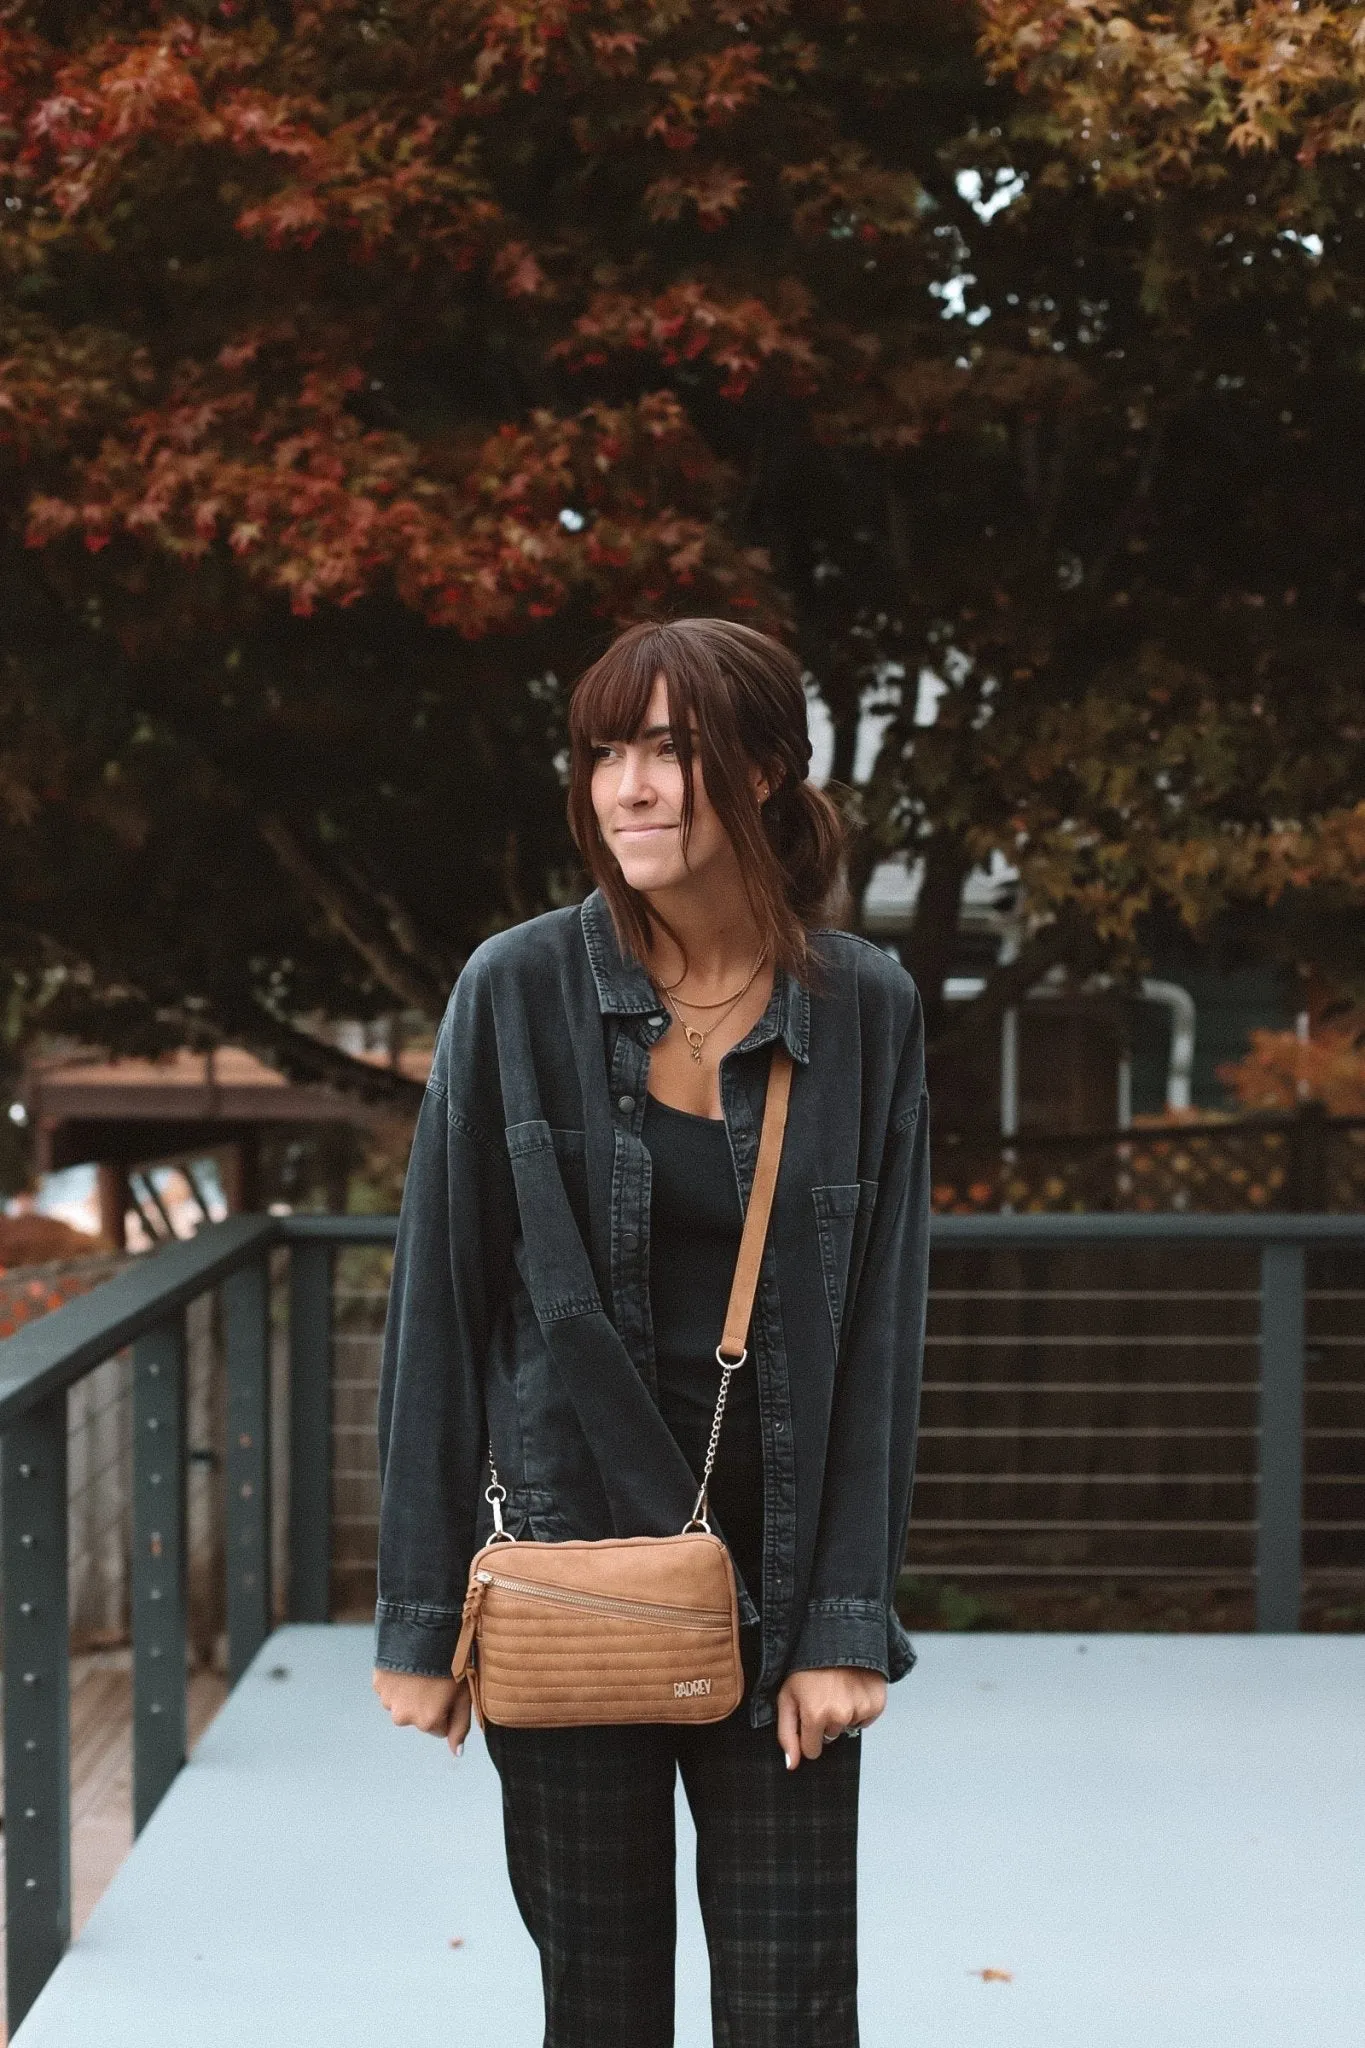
144, 1306
1161, 1433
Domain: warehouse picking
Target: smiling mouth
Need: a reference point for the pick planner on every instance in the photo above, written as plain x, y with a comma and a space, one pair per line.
639, 831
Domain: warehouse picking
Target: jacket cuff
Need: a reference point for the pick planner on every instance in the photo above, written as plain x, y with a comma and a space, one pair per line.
842, 1634
899, 1653
416, 1639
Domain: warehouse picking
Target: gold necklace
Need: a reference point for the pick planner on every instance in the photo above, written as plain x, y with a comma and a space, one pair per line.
697, 1039
667, 987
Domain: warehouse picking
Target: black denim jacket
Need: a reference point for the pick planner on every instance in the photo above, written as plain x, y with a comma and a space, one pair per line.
519, 1305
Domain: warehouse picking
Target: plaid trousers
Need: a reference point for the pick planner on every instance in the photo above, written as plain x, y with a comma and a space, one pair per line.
588, 1814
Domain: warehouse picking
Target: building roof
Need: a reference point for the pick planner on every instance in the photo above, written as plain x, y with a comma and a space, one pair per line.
86, 1106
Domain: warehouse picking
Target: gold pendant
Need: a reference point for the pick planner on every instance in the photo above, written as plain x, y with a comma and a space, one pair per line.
694, 1039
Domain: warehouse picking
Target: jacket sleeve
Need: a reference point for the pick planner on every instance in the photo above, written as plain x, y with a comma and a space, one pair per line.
865, 1511
447, 1270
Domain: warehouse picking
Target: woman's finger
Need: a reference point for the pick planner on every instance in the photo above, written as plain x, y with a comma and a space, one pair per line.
788, 1727
815, 1726
459, 1720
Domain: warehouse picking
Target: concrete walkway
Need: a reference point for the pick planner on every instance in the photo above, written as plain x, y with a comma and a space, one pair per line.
1160, 1839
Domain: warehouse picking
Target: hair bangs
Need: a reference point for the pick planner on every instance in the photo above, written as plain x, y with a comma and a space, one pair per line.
611, 700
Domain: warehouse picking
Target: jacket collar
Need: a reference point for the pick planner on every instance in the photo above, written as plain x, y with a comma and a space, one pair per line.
624, 988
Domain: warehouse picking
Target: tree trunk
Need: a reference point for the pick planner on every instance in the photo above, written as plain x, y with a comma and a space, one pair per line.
931, 946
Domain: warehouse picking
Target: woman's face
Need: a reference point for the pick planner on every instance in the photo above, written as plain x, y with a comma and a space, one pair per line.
637, 794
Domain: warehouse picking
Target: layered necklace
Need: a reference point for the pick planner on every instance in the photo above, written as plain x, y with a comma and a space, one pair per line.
697, 1039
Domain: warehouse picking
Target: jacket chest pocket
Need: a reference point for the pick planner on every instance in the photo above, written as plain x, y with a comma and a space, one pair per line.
843, 1217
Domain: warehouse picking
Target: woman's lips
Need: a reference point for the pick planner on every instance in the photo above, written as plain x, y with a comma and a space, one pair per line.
640, 831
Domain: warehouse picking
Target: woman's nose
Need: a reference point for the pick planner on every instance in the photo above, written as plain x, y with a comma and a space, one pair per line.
634, 785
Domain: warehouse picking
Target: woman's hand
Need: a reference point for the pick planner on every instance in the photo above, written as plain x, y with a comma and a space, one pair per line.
815, 1705
438, 1706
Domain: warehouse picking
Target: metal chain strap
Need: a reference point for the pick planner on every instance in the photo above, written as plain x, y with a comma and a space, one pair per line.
495, 1493
697, 1519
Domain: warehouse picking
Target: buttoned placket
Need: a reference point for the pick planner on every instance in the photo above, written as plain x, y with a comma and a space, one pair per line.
630, 1196
768, 1358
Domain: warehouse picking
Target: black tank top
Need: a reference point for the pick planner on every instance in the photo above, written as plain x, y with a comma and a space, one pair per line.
694, 1229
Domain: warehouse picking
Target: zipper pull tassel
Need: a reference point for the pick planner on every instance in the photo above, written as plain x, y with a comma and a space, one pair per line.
469, 1621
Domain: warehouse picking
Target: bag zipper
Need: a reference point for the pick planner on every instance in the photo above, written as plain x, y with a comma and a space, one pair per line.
609, 1603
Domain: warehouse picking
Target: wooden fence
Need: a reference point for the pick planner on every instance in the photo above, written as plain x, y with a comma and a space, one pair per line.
1308, 1163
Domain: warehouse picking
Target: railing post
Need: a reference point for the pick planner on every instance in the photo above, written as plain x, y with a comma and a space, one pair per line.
1279, 1533
160, 1733
37, 1702
246, 1306
310, 1429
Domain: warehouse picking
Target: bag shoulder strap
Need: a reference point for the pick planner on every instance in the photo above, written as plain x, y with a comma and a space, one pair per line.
733, 1348
745, 1284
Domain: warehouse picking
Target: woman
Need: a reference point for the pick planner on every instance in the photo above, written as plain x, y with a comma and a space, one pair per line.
567, 1238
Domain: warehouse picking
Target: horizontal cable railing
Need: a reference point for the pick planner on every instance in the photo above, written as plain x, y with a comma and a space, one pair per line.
1184, 1421
1204, 1421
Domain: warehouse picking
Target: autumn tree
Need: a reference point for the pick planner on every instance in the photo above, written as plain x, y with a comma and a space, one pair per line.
365, 364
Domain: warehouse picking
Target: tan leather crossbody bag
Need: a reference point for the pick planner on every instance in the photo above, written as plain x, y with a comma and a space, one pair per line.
636, 1628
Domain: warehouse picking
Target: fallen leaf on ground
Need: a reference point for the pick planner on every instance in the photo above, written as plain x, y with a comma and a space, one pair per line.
993, 1976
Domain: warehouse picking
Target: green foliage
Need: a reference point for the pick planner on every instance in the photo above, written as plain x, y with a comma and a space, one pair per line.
940, 1603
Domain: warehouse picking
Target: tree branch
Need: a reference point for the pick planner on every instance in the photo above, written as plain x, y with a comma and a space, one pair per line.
932, 942
427, 952
1126, 519
354, 921
311, 1060
86, 1010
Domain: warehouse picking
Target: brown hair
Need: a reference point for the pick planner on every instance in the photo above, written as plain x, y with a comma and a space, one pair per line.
745, 692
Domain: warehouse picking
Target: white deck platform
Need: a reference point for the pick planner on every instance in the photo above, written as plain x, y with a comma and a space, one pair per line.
1161, 1839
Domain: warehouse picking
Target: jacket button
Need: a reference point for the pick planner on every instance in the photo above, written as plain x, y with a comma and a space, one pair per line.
626, 1102
629, 1239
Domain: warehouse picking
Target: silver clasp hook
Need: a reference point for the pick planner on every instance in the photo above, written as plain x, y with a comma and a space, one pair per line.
495, 1495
